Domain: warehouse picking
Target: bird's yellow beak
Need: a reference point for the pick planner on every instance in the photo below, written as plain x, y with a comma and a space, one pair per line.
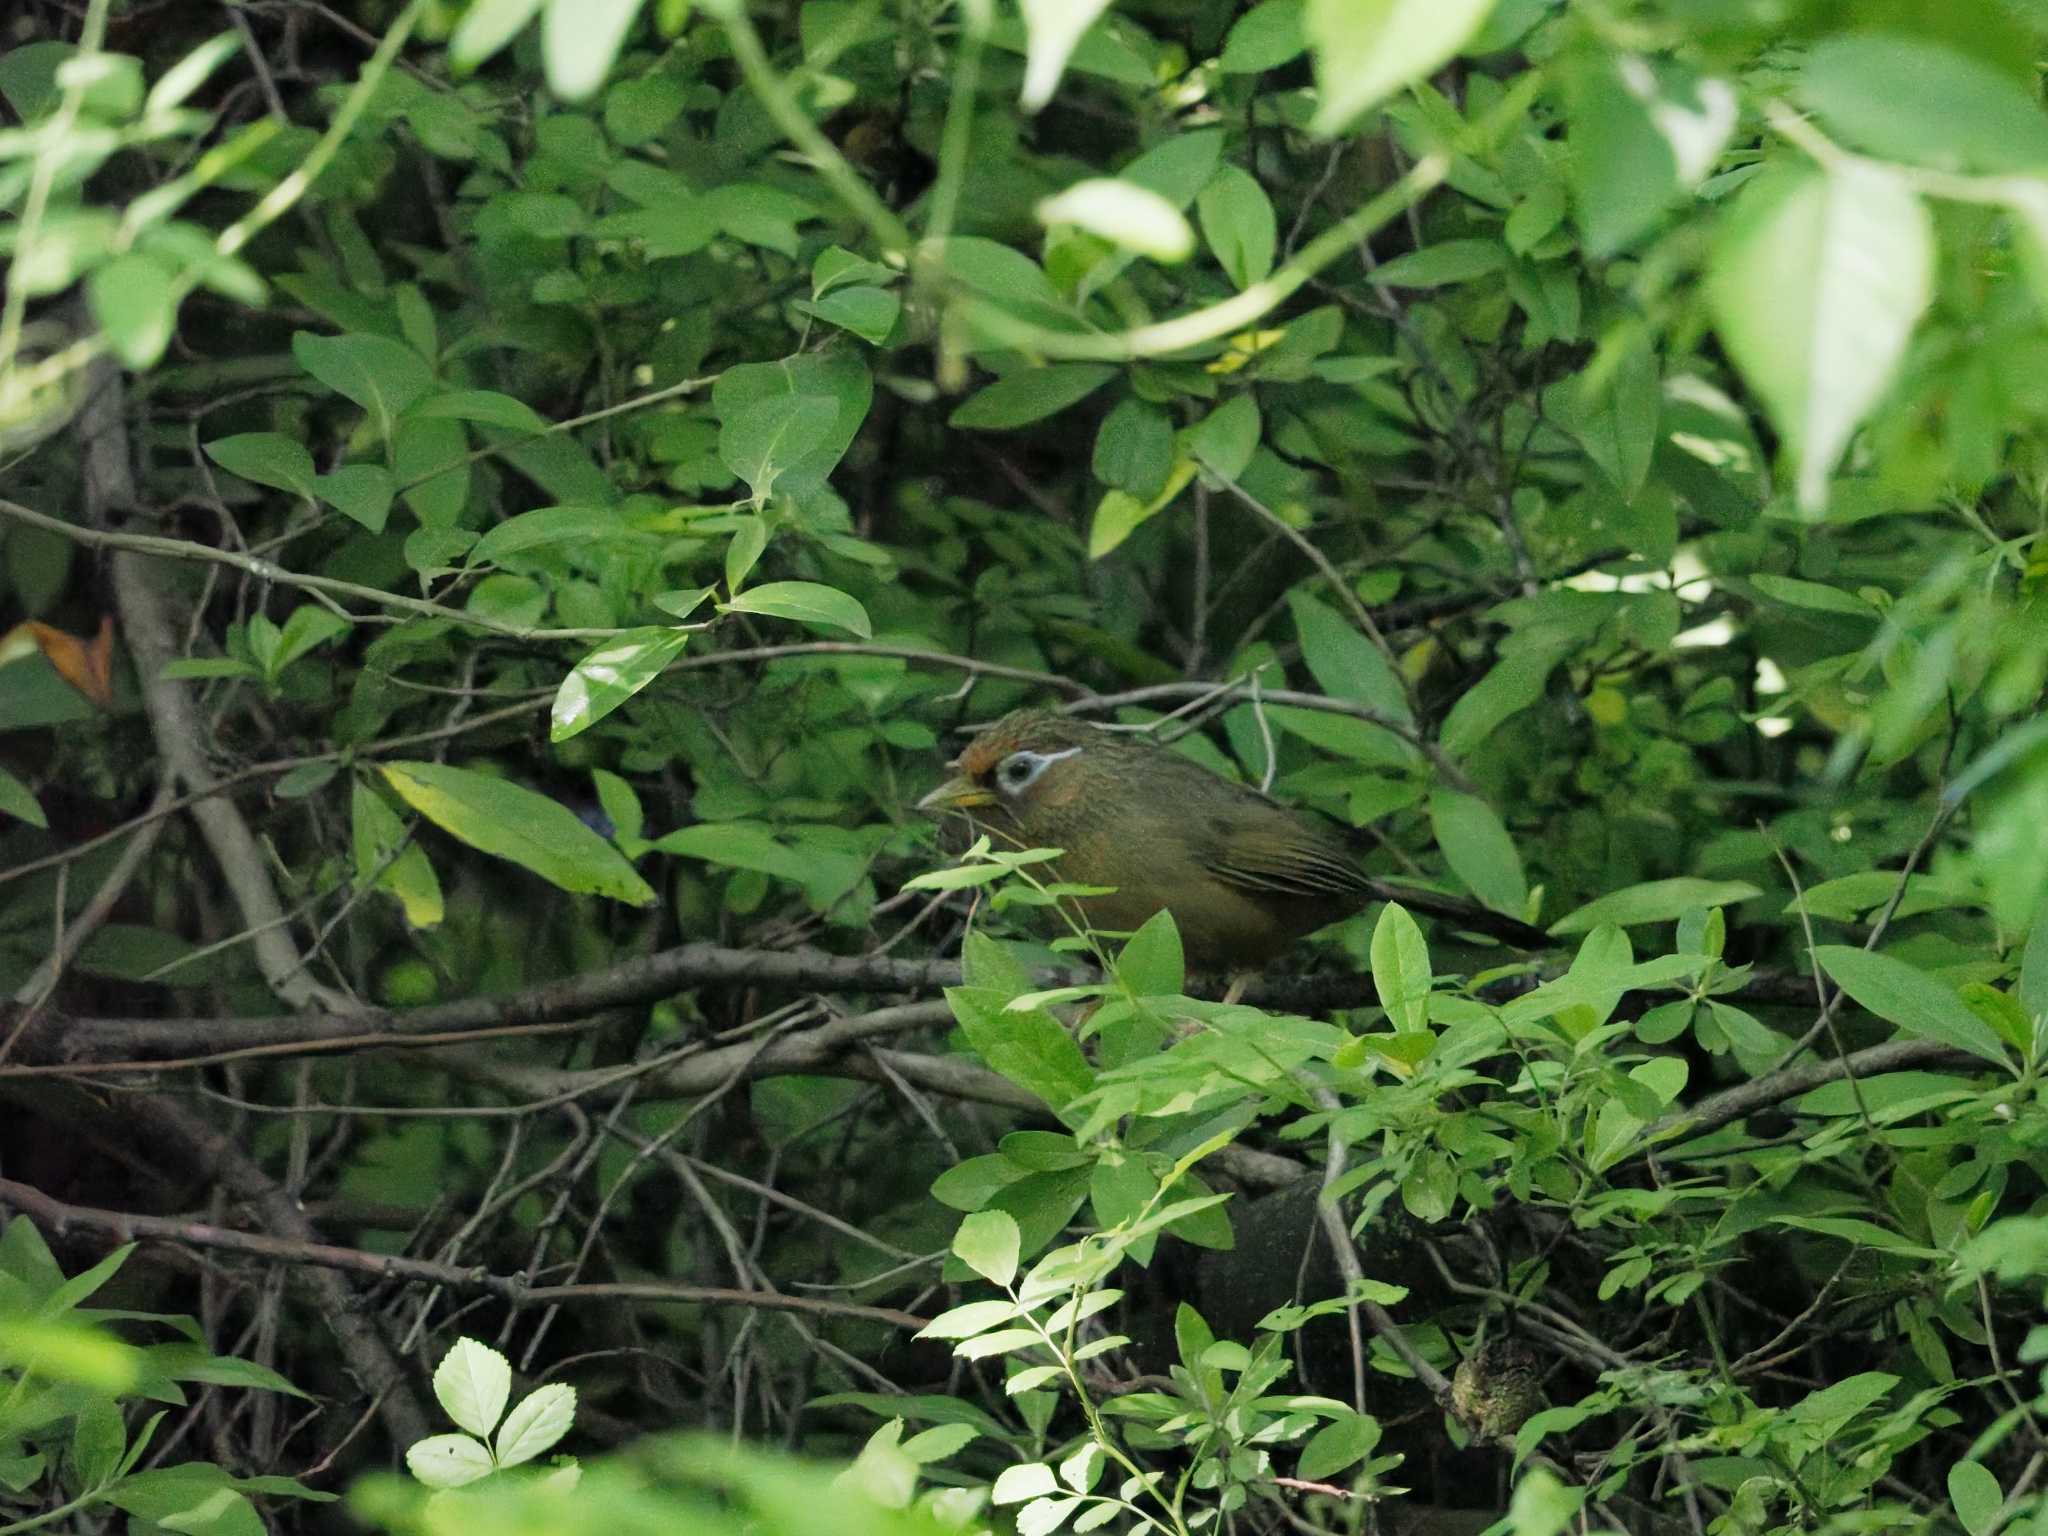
959, 793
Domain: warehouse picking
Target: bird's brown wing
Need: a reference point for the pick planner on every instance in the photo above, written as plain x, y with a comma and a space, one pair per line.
1282, 853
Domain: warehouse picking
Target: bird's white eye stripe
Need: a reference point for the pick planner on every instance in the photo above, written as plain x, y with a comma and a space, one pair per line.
1020, 770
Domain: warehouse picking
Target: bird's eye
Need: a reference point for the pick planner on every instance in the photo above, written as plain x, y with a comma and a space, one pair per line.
1019, 769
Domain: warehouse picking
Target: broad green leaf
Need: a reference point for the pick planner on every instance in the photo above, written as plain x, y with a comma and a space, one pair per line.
1225, 440
743, 552
1120, 514
18, 801
309, 627
1816, 595
266, 458
1134, 449
1344, 662
578, 41
870, 313
805, 601
383, 855
135, 300
1437, 266
1133, 217
383, 376
510, 822
1344, 1442
2033, 987
1477, 847
1400, 969
484, 405
987, 1244
759, 443
1151, 963
1655, 901
1365, 50
1514, 683
472, 1383
1239, 225
1908, 997
838, 375
360, 492
1031, 1049
1974, 1491
1265, 37
551, 525
1816, 282
610, 675
1643, 132
1910, 98
1028, 395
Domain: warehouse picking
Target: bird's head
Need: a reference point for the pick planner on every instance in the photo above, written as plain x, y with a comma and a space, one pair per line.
1021, 768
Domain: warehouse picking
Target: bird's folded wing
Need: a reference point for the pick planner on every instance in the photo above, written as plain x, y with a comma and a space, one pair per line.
1287, 860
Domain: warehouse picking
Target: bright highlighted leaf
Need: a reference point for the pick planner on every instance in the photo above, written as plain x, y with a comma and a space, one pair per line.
1365, 50
578, 41
1816, 284
1052, 28
610, 675
511, 822
1127, 215
472, 1384
987, 1243
136, 303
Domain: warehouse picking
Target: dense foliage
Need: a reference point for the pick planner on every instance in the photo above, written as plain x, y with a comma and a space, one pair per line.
509, 504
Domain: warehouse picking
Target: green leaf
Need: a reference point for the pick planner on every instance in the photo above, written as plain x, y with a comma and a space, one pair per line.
1515, 682
1643, 132
472, 1384
1400, 969
1344, 1442
743, 553
1134, 449
383, 854
1225, 440
1031, 1049
484, 405
1477, 847
578, 41
135, 300
360, 492
309, 627
805, 601
1974, 1491
2033, 987
1816, 282
1344, 662
1437, 266
18, 801
550, 525
1655, 901
1265, 37
1028, 395
266, 458
1903, 995
1151, 963
511, 822
610, 675
535, 1423
1365, 50
1238, 222
382, 376
987, 1243
448, 1461
1815, 595
485, 27
1910, 98
870, 313
759, 443
838, 375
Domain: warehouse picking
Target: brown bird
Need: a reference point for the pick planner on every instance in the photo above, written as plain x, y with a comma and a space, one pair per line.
1244, 876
